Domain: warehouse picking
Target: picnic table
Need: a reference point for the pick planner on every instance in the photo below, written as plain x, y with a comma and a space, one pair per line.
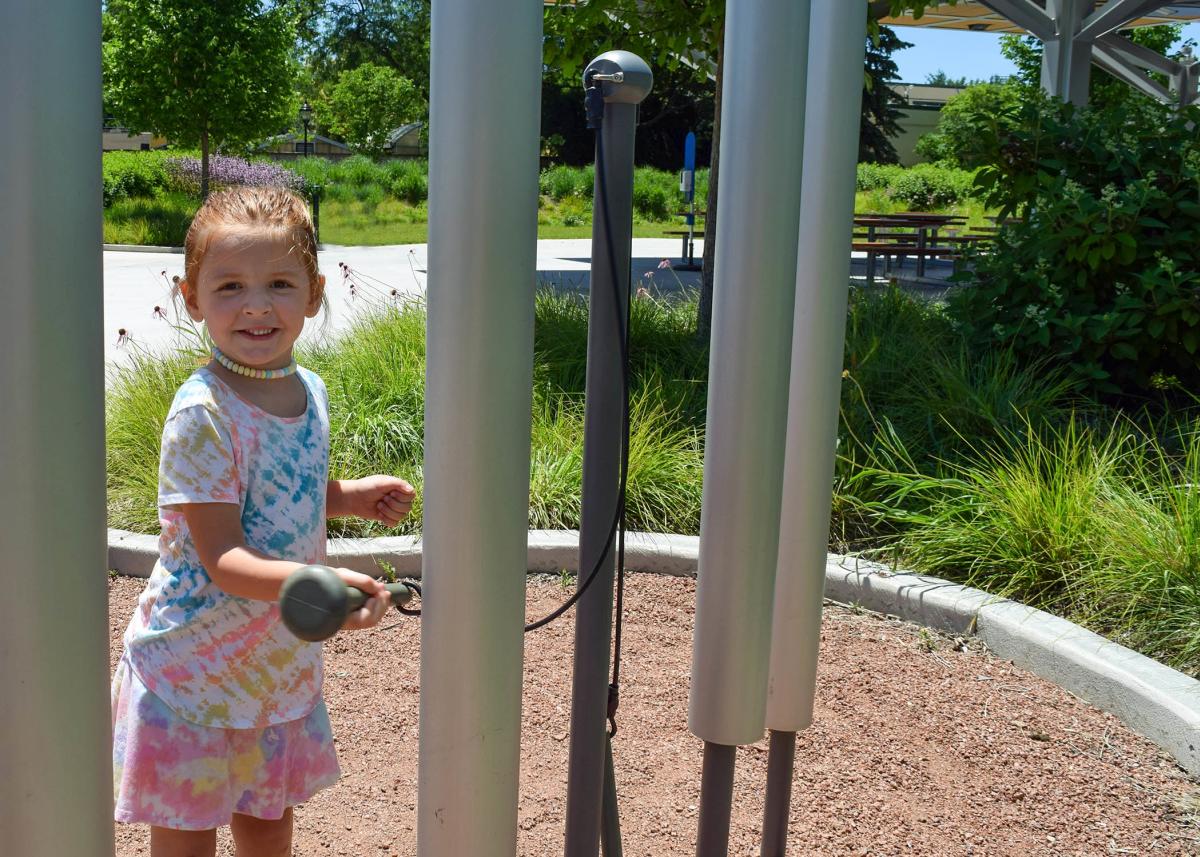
909, 233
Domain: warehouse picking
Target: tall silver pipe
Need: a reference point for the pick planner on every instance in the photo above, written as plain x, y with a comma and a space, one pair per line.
762, 125
55, 748
836, 56
762, 131
483, 176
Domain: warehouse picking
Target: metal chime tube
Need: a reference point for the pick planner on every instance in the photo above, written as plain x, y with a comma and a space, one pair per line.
483, 182
835, 61
762, 124
55, 747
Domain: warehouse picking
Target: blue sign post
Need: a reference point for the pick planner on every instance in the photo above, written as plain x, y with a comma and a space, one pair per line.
687, 186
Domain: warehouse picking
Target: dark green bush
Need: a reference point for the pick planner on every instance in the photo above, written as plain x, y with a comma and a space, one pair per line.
1103, 273
921, 187
929, 186
877, 176
133, 174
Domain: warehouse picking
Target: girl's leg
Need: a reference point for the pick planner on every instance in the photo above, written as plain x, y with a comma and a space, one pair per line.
258, 837
165, 842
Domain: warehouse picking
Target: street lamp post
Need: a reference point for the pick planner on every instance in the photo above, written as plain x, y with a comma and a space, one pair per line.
305, 118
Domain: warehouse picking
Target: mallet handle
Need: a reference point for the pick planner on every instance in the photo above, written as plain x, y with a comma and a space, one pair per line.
401, 594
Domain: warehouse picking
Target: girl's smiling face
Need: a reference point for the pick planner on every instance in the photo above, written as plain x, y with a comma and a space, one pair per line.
254, 293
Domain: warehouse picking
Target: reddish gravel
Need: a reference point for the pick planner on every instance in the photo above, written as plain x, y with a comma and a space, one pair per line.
922, 745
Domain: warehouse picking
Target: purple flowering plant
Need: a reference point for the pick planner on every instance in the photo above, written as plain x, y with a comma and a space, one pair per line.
226, 171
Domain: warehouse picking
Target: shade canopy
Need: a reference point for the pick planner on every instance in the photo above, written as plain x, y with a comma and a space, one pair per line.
978, 17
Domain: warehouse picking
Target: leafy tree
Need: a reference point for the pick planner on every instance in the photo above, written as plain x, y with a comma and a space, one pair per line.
213, 74
940, 78
344, 34
367, 103
974, 115
880, 104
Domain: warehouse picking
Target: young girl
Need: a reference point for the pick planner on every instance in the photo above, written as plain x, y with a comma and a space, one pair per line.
217, 710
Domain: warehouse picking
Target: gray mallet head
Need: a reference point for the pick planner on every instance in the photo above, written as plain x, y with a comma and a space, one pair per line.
314, 602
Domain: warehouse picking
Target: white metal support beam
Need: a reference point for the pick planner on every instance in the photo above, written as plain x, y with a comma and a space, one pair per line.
1024, 13
1114, 15
1127, 61
1139, 56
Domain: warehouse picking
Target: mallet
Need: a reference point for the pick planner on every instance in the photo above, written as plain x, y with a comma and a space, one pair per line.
314, 602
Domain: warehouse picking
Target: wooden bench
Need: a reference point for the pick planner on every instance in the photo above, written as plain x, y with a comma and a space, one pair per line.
902, 249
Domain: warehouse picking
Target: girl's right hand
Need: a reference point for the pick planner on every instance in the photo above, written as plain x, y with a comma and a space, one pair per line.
370, 614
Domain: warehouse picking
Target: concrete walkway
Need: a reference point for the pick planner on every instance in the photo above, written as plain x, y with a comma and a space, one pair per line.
135, 282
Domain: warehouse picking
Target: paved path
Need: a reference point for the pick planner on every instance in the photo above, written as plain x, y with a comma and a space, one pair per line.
136, 282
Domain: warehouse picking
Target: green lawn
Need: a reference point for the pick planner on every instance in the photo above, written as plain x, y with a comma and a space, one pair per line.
163, 220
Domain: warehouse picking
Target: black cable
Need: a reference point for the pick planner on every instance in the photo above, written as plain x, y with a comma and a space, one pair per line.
595, 104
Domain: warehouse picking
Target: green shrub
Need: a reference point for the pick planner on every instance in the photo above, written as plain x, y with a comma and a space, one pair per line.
967, 120
561, 182
876, 176
356, 171
921, 188
408, 180
928, 186
133, 174
656, 194
1102, 275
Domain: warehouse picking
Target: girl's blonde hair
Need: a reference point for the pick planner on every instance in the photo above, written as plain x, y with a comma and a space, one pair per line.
277, 211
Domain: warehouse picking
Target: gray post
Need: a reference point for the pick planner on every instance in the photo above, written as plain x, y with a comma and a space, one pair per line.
55, 751
835, 61
762, 131
612, 235
483, 169
781, 759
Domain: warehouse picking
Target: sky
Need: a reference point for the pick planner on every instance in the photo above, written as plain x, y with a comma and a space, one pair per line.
960, 53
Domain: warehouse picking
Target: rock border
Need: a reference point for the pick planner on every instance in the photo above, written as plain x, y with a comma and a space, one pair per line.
1155, 701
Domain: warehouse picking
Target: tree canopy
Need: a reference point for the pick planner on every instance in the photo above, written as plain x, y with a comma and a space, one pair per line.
367, 103
217, 74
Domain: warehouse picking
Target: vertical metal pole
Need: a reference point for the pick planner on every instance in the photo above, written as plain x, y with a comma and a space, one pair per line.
610, 821
835, 62
483, 168
55, 749
716, 798
780, 761
612, 235
762, 130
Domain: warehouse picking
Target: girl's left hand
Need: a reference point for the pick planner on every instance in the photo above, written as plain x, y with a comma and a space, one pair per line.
379, 498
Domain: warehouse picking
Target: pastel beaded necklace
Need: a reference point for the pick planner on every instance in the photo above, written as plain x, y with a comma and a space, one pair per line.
265, 374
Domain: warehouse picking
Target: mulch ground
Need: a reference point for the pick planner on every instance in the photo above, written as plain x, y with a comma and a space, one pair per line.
922, 744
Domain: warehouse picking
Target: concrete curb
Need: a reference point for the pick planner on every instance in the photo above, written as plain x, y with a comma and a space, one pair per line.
1155, 701
142, 248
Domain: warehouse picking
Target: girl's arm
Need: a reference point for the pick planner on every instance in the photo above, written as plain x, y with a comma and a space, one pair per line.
375, 498
216, 530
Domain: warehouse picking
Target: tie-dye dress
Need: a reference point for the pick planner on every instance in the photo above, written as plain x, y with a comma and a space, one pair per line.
217, 707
